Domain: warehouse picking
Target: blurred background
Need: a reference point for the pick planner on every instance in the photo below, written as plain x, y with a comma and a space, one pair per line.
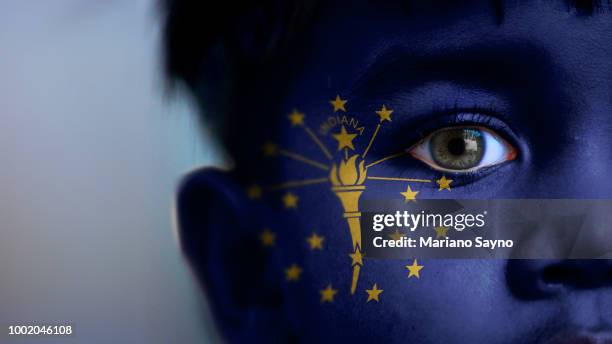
91, 151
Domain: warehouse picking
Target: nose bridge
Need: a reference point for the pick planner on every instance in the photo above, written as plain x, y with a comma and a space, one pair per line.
578, 274
589, 160
575, 148
592, 120
579, 164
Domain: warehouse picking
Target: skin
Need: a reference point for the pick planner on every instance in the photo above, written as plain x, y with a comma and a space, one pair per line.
542, 72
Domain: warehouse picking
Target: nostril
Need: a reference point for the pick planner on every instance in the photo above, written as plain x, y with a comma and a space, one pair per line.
538, 279
578, 274
557, 274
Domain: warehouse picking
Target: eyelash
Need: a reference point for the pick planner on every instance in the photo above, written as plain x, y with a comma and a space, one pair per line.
461, 117
472, 116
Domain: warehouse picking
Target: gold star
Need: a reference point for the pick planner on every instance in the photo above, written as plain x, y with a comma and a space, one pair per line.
296, 118
290, 201
397, 235
269, 149
315, 241
357, 257
444, 183
338, 104
413, 270
344, 139
384, 114
441, 232
373, 293
267, 238
293, 273
409, 195
327, 294
254, 192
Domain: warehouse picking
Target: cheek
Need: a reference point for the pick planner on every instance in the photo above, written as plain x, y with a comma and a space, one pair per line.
318, 212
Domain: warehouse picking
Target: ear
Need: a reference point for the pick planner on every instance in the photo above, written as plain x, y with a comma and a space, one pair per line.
219, 235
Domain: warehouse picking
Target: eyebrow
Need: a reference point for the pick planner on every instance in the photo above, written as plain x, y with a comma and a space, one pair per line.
440, 5
582, 7
588, 7
493, 66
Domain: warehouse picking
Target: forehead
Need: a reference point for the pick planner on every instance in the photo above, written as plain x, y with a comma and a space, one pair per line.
351, 42
348, 39
524, 53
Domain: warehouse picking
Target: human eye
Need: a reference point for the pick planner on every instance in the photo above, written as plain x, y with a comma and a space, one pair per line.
463, 149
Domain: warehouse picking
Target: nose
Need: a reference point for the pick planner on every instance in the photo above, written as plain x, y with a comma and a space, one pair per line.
539, 279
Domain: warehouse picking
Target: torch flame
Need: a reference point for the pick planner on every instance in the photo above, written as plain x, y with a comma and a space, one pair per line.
347, 173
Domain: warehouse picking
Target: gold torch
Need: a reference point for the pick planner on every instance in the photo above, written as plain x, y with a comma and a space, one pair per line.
347, 183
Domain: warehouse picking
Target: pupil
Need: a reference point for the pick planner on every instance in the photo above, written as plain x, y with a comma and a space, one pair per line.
456, 146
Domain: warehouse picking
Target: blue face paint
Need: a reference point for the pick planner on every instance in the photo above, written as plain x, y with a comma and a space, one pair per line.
535, 84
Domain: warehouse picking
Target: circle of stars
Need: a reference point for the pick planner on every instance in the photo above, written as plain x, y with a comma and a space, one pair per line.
290, 201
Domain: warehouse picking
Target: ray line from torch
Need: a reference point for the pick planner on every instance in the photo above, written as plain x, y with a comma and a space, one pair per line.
318, 142
371, 141
401, 179
386, 158
303, 159
297, 183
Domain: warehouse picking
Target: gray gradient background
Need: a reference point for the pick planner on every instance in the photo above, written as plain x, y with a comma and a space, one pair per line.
90, 154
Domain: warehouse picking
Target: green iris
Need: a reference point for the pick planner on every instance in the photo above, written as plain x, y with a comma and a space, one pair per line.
457, 148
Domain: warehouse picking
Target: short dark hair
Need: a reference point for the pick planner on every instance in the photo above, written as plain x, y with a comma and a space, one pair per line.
212, 46
208, 45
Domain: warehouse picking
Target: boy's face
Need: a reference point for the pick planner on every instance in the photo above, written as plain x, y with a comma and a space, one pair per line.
531, 84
